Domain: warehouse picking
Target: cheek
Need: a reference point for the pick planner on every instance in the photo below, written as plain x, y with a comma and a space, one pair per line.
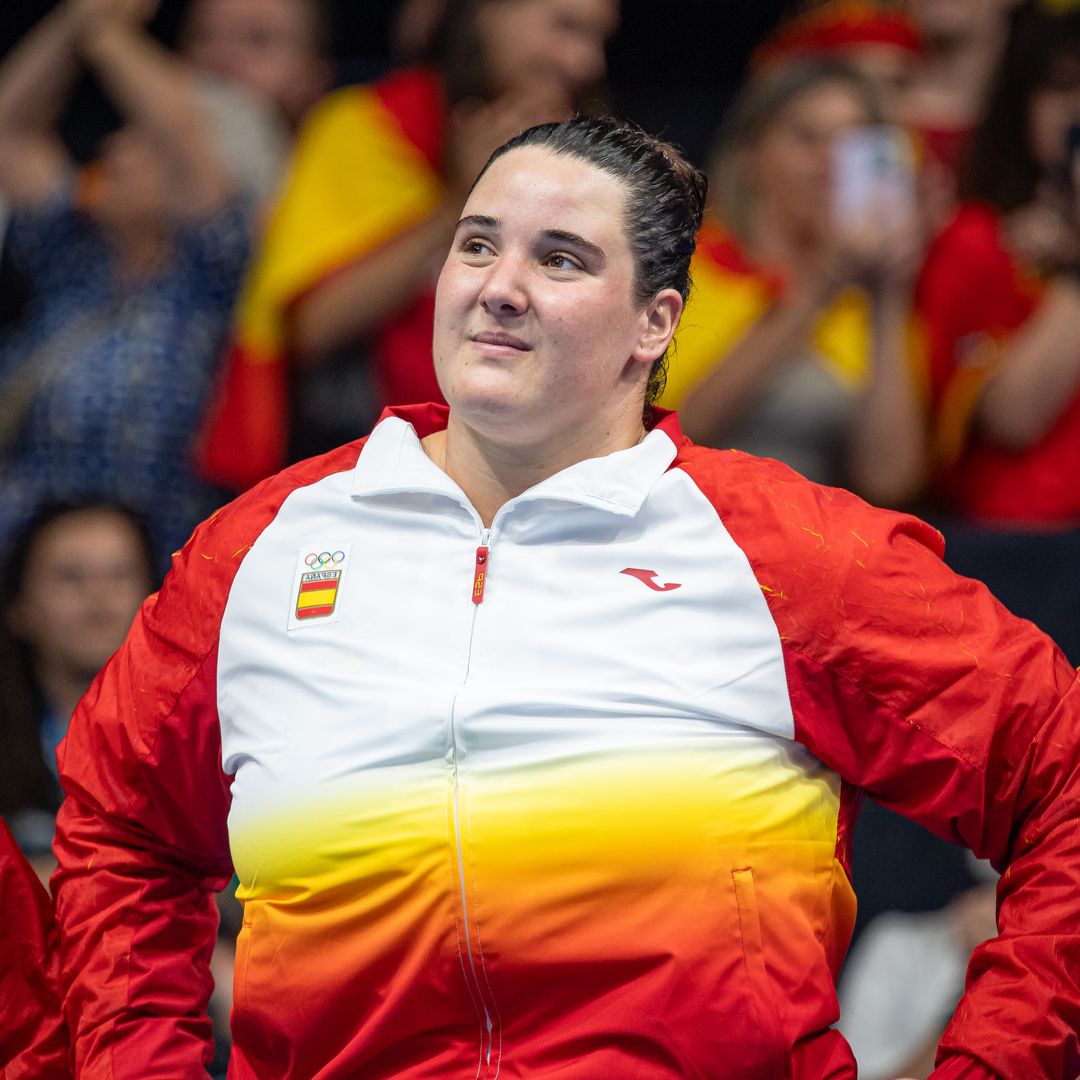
50, 618
1047, 123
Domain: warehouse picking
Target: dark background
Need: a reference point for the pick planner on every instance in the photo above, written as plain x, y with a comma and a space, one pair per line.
674, 65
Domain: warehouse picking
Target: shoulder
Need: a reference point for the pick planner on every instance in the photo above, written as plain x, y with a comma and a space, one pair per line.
204, 568
813, 549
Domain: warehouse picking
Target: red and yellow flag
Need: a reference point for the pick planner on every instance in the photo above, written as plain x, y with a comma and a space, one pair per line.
365, 170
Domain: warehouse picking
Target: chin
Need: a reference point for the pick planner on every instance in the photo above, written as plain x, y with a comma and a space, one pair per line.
492, 390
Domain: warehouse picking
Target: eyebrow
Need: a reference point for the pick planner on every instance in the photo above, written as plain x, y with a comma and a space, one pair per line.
562, 236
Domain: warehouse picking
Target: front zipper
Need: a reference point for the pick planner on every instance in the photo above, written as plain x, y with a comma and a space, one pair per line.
480, 571
479, 574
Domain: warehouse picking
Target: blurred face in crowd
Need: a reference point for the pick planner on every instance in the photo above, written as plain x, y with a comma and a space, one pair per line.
1053, 108
539, 336
886, 67
540, 42
269, 46
790, 166
83, 583
130, 187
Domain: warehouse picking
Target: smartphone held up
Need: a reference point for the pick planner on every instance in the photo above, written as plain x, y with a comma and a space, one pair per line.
873, 182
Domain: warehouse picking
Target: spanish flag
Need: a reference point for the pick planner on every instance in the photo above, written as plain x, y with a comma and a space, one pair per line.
318, 594
730, 294
365, 170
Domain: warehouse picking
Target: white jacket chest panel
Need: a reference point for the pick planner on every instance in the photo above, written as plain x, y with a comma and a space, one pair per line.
565, 655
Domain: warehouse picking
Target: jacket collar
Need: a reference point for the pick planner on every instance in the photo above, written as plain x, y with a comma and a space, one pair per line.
393, 462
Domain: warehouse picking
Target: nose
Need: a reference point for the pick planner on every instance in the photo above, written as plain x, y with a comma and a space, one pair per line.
504, 292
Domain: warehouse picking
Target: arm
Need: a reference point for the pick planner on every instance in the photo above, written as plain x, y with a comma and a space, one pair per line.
1039, 371
735, 379
35, 80
156, 91
889, 451
913, 683
141, 836
356, 301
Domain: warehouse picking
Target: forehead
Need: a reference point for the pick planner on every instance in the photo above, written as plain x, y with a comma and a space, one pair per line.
213, 12
595, 16
534, 188
825, 102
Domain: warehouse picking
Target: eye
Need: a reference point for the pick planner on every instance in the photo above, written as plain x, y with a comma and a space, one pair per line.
476, 247
560, 260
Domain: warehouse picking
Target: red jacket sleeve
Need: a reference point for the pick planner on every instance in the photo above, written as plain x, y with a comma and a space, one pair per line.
33, 1041
141, 838
916, 685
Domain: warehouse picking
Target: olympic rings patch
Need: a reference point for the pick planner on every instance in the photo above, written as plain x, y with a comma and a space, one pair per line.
323, 558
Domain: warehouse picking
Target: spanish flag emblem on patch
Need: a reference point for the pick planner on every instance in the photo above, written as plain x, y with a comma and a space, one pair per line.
318, 593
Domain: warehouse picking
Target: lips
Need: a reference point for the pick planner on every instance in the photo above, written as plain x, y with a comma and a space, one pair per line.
501, 340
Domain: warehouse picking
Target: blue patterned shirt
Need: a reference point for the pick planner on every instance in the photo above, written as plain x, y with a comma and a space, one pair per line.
116, 419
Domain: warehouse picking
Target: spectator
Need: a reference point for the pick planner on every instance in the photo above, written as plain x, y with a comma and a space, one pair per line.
134, 266
796, 343
350, 258
278, 49
1001, 298
877, 39
71, 589
946, 95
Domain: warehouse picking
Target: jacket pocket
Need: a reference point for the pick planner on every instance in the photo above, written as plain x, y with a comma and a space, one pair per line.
762, 996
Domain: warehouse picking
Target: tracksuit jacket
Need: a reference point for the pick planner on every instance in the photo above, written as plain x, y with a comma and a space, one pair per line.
570, 796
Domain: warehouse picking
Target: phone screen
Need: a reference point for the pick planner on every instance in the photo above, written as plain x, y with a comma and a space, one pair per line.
873, 176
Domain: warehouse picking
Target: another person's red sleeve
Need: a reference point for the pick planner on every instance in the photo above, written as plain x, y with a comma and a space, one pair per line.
33, 1041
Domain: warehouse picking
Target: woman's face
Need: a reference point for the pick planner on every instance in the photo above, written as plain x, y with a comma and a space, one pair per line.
1052, 109
790, 166
83, 583
268, 46
539, 336
554, 44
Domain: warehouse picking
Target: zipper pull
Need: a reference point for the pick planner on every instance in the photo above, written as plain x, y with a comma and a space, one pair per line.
479, 575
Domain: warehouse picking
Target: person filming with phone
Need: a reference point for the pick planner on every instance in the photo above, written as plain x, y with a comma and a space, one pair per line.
798, 342
1000, 296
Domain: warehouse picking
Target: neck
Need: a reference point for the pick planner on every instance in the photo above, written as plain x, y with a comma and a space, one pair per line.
491, 472
140, 251
61, 686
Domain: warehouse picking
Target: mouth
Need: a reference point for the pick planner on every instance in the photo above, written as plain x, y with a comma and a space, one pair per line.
493, 340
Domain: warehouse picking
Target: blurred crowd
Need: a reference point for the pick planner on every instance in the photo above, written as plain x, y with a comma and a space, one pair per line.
886, 297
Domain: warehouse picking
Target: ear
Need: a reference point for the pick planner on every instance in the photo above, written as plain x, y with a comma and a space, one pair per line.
658, 324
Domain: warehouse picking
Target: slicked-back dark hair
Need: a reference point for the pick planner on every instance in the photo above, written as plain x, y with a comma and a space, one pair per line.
665, 199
